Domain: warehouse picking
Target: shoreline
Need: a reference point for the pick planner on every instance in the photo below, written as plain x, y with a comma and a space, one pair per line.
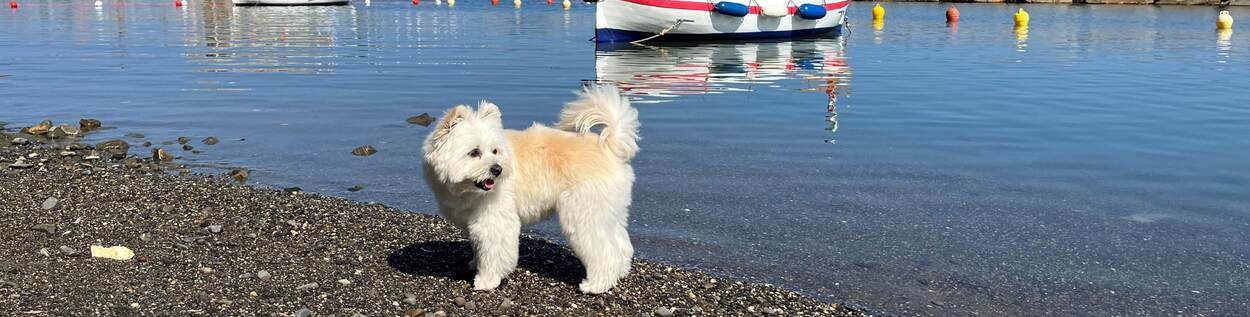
206, 245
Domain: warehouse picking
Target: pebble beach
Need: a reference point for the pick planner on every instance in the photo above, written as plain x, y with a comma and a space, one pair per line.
211, 245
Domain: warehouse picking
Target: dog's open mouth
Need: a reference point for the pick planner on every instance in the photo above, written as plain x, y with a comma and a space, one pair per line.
487, 184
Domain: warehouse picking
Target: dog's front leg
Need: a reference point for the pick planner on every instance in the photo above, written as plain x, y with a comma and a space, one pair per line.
495, 233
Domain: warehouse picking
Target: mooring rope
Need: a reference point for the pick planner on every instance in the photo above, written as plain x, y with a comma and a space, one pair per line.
665, 31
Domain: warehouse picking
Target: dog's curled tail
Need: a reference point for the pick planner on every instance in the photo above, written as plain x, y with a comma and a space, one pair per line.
604, 105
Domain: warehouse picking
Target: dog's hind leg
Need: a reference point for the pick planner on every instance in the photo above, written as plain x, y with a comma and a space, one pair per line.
495, 233
594, 225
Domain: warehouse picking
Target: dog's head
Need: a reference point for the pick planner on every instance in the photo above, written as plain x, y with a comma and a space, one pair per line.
467, 150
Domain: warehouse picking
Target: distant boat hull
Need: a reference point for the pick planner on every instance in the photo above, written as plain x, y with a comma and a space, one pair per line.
289, 2
619, 21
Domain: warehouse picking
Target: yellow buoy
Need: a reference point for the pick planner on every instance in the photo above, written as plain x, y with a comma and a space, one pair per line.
1224, 21
451, 3
568, 4
517, 3
1022, 18
878, 12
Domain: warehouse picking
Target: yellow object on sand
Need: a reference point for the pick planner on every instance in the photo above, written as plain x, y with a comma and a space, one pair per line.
1022, 18
114, 252
878, 12
1224, 21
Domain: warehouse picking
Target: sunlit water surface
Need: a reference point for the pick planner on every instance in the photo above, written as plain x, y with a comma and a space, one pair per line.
1093, 164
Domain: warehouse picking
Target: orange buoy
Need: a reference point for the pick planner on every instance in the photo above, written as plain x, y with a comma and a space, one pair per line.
952, 14
494, 2
551, 2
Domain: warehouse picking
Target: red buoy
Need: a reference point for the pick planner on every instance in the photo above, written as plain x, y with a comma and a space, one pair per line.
952, 14
177, 3
416, 2
13, 4
551, 2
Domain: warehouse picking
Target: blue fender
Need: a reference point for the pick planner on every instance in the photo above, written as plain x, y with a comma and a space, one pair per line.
732, 9
811, 11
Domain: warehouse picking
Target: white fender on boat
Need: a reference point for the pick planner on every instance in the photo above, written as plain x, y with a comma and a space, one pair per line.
776, 10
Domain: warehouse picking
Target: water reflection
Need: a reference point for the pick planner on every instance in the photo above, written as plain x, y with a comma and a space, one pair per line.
659, 74
1022, 38
1224, 44
273, 39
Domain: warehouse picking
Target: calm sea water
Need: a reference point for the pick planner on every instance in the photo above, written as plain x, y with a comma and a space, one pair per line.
1095, 164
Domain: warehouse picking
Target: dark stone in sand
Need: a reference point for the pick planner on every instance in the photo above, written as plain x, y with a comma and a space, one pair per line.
423, 119
187, 147
183, 140
366, 150
239, 174
135, 135
460, 301
356, 188
147, 144
42, 128
114, 149
210, 140
47, 228
89, 124
77, 147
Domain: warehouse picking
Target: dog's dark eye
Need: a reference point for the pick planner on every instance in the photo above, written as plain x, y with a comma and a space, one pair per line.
495, 151
475, 153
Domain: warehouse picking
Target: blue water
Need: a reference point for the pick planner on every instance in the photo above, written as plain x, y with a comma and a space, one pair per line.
1095, 164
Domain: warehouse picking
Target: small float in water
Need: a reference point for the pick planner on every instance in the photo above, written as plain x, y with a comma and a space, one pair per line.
289, 2
618, 21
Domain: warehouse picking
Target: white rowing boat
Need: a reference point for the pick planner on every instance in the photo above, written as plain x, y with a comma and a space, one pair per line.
289, 2
619, 21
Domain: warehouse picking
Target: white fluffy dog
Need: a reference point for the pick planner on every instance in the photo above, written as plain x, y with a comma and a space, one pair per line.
490, 181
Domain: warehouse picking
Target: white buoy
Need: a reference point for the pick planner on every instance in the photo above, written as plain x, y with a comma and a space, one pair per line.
99, 3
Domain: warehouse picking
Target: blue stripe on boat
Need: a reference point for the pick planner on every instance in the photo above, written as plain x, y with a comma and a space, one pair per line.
624, 36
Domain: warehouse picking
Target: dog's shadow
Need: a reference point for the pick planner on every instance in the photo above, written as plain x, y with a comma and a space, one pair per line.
450, 259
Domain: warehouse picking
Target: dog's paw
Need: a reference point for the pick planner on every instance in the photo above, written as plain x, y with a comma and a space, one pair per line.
595, 288
482, 283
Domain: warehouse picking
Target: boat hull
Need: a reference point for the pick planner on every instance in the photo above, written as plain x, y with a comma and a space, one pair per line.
289, 2
631, 20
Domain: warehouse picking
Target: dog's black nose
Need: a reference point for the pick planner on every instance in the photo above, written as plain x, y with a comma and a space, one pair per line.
496, 169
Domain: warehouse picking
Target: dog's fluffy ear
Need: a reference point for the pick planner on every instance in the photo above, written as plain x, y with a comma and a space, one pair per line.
450, 119
487, 110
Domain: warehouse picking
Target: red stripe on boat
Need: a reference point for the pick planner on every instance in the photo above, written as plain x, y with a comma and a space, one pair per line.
708, 6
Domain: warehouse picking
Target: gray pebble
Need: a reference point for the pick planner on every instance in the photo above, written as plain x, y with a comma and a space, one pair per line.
506, 304
410, 299
145, 236
263, 275
356, 188
770, 311
303, 312
664, 311
307, 286
183, 140
20, 141
214, 229
51, 203
470, 305
167, 208
460, 301
68, 251
210, 140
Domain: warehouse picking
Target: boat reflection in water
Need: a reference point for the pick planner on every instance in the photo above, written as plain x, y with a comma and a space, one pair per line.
275, 39
657, 74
